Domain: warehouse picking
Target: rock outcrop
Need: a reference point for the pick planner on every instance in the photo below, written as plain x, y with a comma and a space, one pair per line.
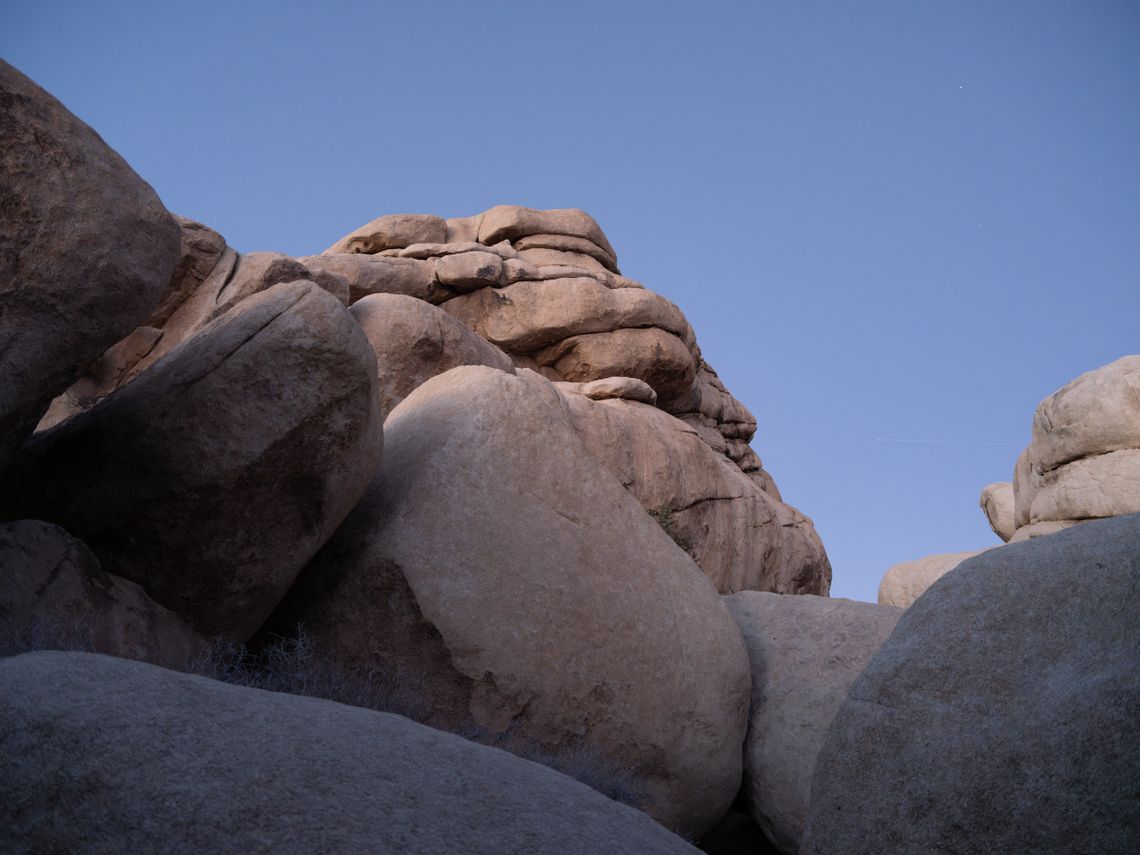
805, 654
53, 593
86, 248
1003, 713
905, 582
214, 521
146, 760
524, 591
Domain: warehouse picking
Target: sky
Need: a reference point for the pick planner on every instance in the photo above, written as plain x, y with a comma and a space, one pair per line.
895, 226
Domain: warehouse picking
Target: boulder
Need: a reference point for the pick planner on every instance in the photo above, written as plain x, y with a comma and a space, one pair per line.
53, 593
1097, 413
147, 760
566, 243
435, 250
86, 250
510, 222
529, 316
742, 538
414, 341
805, 653
540, 258
497, 564
1105, 485
1042, 529
996, 503
1003, 713
467, 271
201, 250
215, 522
626, 388
392, 231
1024, 487
371, 274
904, 583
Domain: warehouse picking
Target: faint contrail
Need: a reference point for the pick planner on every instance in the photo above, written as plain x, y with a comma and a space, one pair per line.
947, 441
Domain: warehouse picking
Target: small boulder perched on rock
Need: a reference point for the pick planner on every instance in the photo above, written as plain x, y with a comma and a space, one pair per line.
905, 582
393, 231
146, 760
215, 520
996, 502
805, 654
86, 249
524, 591
54, 594
1003, 713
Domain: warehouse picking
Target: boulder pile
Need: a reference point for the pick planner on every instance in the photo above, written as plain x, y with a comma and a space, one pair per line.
1082, 463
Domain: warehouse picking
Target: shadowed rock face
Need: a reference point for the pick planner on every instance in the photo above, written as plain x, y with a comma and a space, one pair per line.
1003, 713
147, 760
214, 519
525, 590
86, 249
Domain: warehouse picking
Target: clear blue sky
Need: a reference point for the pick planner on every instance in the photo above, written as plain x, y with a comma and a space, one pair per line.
886, 220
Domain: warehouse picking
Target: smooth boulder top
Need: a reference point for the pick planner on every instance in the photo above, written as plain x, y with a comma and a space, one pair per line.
392, 231
86, 251
1003, 713
905, 582
148, 760
215, 522
805, 652
996, 502
1096, 413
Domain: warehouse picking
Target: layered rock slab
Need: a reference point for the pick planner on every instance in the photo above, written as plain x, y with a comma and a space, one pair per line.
215, 523
805, 654
741, 537
495, 563
86, 249
54, 594
1003, 713
147, 760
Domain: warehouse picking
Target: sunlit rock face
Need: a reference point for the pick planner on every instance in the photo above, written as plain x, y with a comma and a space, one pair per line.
539, 290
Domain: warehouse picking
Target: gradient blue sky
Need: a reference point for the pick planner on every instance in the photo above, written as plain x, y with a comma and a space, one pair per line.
886, 220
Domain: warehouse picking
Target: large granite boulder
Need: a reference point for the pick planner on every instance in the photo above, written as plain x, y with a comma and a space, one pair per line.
414, 341
1003, 713
86, 249
805, 654
106, 755
54, 594
996, 502
213, 477
741, 537
905, 582
523, 591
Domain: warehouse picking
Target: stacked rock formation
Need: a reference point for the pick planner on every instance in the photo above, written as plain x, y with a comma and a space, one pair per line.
1082, 463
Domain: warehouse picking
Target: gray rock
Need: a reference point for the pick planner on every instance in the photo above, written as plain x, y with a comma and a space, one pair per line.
1003, 713
86, 250
54, 594
213, 477
805, 652
102, 755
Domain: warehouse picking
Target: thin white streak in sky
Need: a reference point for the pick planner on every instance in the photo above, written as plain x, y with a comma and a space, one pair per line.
949, 441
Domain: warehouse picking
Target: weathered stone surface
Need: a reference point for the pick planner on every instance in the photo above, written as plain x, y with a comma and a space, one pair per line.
510, 222
1042, 529
1023, 489
655, 356
1003, 713
493, 559
370, 274
414, 341
54, 593
146, 760
558, 258
435, 250
742, 538
463, 229
467, 271
565, 243
214, 522
1105, 485
996, 503
1097, 413
393, 231
528, 316
905, 582
626, 388
86, 250
201, 250
805, 654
